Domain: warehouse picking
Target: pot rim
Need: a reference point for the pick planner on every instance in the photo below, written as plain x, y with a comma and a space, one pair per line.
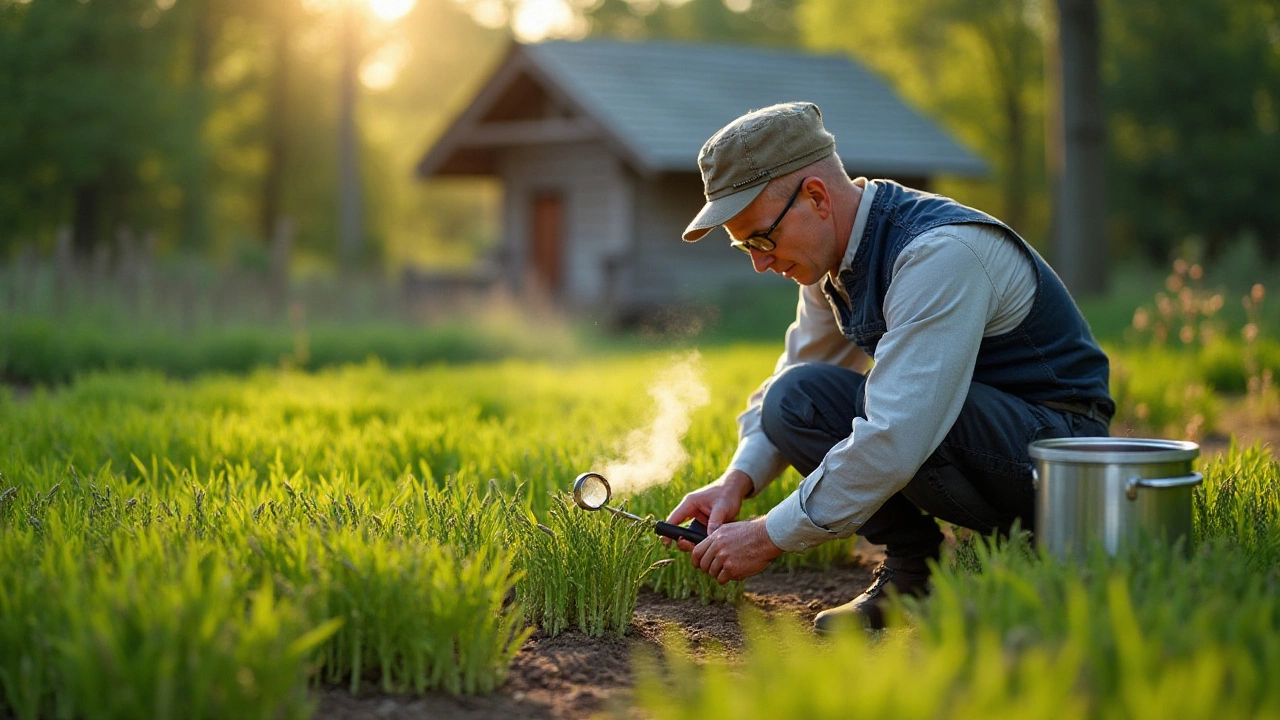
1111, 450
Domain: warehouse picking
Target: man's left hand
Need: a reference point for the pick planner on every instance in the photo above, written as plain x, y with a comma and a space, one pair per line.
735, 551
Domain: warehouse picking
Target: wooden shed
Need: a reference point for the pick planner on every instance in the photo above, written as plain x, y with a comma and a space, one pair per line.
596, 144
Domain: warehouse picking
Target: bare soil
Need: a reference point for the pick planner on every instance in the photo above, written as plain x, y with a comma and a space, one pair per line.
571, 676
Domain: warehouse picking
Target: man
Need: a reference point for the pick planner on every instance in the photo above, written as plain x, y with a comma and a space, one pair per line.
978, 351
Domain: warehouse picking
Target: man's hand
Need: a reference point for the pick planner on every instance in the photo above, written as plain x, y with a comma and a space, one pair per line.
714, 505
735, 551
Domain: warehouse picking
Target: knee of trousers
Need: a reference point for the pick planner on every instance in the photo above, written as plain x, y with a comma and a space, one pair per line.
788, 407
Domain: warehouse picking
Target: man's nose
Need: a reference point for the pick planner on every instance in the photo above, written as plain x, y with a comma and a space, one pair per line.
761, 260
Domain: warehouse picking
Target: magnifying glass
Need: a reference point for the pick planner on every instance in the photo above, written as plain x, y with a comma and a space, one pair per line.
591, 492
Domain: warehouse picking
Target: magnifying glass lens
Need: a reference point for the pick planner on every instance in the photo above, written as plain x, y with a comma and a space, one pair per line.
593, 491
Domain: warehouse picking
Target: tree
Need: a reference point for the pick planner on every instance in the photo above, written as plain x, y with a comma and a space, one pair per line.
972, 65
1077, 151
753, 22
201, 20
91, 121
281, 20
442, 57
1194, 94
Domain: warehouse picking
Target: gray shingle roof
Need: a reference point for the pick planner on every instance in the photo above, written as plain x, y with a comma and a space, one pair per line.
665, 99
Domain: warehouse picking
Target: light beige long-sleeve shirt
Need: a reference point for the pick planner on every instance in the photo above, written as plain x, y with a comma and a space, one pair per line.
951, 287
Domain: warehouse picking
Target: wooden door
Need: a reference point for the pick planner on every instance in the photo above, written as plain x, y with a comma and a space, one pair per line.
547, 241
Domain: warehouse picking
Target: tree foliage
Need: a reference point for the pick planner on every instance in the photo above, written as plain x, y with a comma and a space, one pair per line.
975, 66
205, 121
201, 120
439, 221
756, 22
1194, 94
92, 127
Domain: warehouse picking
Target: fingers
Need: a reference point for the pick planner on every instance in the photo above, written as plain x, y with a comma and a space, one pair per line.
691, 508
683, 511
698, 552
718, 516
708, 557
716, 565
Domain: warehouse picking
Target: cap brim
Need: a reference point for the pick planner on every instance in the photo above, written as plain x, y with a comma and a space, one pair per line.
720, 211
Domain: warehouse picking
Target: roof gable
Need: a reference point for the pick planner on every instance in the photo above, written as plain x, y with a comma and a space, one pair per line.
656, 103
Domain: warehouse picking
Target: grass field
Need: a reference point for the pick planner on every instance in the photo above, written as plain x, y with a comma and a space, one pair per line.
409, 526
1007, 633
210, 548
213, 524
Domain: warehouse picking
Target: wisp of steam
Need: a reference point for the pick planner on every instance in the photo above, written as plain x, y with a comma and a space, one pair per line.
651, 455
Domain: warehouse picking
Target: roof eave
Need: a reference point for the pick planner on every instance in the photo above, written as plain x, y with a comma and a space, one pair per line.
442, 151
959, 168
442, 158
626, 150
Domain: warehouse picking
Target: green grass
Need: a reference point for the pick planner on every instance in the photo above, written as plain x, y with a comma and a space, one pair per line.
154, 632
1010, 633
228, 592
204, 525
357, 526
584, 570
50, 352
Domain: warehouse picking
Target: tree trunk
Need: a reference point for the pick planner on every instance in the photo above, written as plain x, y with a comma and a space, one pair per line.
86, 225
1005, 34
1015, 196
1077, 154
277, 125
195, 181
350, 222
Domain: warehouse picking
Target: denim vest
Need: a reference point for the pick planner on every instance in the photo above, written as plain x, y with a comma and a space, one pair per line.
1049, 357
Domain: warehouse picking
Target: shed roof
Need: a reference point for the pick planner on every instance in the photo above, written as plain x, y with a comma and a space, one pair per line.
658, 102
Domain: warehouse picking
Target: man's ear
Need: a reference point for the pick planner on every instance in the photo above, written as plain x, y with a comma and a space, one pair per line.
819, 195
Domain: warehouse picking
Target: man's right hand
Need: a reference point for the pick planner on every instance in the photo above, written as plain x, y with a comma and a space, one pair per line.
714, 505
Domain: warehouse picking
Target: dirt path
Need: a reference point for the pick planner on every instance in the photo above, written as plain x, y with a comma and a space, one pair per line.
572, 677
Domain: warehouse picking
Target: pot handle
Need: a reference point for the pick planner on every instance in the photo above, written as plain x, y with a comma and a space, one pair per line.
1131, 490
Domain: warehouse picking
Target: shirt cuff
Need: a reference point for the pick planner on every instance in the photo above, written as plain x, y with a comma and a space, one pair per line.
760, 460
791, 529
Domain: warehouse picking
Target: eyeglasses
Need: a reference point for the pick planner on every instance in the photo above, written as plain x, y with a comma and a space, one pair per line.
761, 242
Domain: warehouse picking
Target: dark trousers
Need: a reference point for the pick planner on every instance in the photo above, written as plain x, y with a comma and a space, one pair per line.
978, 478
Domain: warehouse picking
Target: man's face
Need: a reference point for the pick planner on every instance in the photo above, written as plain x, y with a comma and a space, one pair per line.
804, 250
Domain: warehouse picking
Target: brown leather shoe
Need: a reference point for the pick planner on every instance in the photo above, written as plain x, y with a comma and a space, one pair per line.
867, 610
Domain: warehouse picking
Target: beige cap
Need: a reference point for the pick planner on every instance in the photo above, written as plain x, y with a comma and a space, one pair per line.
739, 160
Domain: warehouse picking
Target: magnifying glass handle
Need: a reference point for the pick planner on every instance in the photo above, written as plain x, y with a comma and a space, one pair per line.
695, 533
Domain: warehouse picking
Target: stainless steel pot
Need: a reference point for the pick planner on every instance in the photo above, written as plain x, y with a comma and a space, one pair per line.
1111, 491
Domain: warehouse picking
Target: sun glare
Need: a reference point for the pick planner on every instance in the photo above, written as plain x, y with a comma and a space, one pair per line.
381, 69
490, 13
391, 9
538, 19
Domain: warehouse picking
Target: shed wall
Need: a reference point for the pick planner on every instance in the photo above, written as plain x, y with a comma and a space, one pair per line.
598, 212
663, 268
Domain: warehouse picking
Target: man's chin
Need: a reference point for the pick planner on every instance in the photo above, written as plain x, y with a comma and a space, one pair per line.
797, 274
